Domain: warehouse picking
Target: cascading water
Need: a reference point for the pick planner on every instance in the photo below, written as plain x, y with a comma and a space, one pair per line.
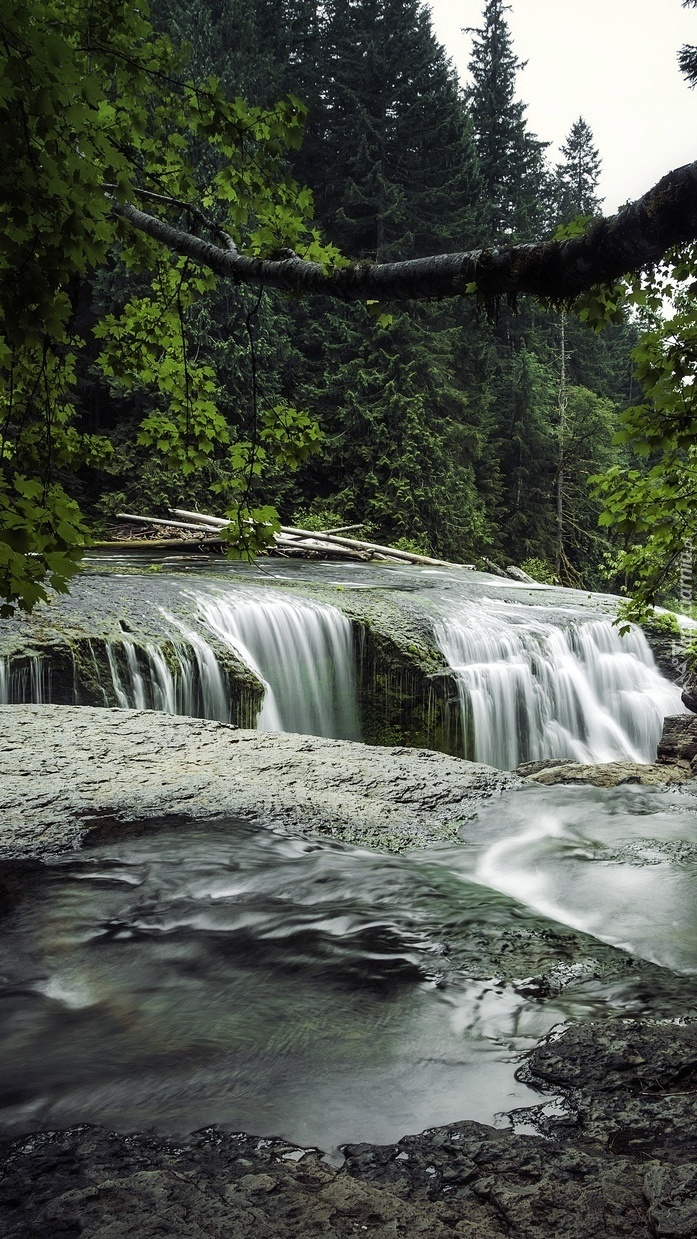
532, 683
562, 687
24, 680
302, 652
143, 679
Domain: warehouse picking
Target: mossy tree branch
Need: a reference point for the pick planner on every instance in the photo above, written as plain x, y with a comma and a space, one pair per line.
636, 237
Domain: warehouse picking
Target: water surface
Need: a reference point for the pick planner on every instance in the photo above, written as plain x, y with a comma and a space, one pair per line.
327, 993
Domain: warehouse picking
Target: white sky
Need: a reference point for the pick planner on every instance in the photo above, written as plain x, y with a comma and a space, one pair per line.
612, 62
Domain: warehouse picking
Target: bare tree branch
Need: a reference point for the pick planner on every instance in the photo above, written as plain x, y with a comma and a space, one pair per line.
637, 236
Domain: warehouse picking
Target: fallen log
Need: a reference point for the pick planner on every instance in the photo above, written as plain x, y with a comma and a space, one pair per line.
200, 518
517, 574
286, 542
156, 520
204, 519
295, 550
393, 552
340, 529
156, 544
358, 544
493, 568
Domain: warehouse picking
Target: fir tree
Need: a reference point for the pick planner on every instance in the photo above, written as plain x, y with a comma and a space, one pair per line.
577, 174
396, 143
511, 160
687, 56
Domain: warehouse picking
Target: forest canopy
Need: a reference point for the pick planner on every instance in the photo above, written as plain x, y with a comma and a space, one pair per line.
147, 204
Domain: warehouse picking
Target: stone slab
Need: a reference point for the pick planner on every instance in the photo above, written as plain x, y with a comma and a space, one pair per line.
65, 769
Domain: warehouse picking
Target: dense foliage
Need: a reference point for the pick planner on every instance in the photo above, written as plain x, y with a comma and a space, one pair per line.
437, 426
95, 109
132, 379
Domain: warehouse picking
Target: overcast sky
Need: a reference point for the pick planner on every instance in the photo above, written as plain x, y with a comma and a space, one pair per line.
611, 61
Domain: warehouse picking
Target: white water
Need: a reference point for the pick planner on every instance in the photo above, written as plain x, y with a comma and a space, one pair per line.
148, 682
303, 653
25, 680
532, 683
533, 688
618, 864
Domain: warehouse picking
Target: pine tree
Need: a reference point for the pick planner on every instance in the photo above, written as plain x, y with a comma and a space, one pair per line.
577, 174
511, 160
396, 146
687, 56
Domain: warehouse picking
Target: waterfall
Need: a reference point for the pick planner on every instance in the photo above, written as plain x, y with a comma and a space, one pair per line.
301, 651
532, 683
560, 687
142, 679
25, 679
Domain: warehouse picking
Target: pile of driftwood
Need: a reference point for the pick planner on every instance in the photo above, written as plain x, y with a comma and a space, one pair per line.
291, 542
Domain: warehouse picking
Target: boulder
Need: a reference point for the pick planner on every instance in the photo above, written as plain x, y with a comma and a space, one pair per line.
679, 739
610, 773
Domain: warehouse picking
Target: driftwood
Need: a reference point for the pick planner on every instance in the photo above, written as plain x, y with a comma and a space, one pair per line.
293, 540
284, 544
391, 551
342, 529
356, 544
517, 574
199, 518
156, 520
158, 544
299, 548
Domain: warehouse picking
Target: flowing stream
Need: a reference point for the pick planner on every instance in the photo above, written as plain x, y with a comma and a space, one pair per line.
326, 993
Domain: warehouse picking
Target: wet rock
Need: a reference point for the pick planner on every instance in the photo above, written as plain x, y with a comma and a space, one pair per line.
465, 1179
667, 643
611, 773
646, 1057
94, 1183
527, 768
524, 1185
629, 1085
67, 773
679, 739
621, 1160
689, 695
672, 1196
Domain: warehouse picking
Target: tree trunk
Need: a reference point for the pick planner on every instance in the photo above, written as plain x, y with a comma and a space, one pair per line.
563, 402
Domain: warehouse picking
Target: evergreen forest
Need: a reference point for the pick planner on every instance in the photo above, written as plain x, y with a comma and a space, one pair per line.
466, 427
441, 430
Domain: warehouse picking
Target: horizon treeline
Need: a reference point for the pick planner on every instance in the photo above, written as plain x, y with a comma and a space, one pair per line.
451, 430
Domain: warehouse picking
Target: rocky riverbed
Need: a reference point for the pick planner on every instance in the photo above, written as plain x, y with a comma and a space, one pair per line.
620, 1161
613, 1154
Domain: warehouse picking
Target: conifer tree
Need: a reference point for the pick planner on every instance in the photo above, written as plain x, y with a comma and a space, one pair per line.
511, 159
577, 174
396, 143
